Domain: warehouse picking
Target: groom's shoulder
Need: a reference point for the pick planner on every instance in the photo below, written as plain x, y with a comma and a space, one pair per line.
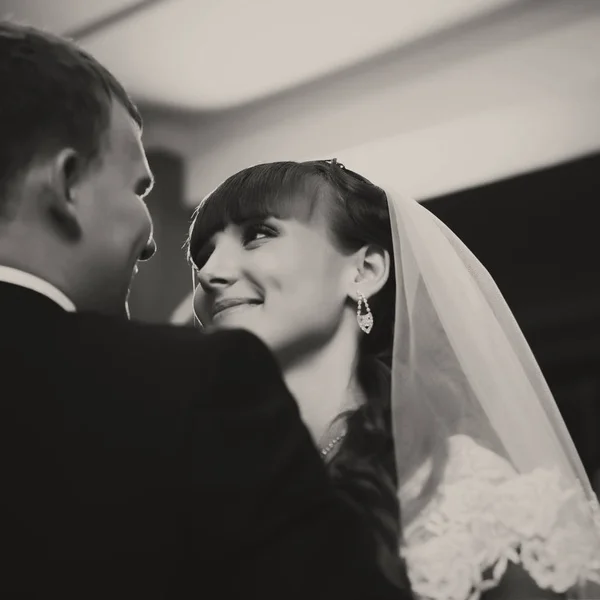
230, 362
185, 343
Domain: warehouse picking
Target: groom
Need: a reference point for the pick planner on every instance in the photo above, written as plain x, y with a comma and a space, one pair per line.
137, 461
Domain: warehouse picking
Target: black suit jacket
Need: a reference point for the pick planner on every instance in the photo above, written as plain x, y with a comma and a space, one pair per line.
148, 462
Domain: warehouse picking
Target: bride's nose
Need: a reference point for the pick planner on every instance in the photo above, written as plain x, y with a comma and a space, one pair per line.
221, 268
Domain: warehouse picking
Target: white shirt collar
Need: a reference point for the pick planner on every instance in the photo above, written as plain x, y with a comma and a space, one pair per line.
32, 282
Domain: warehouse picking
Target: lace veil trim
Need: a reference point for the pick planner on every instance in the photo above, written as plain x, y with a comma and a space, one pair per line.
487, 515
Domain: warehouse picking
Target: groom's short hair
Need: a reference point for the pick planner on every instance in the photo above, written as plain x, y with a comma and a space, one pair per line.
53, 95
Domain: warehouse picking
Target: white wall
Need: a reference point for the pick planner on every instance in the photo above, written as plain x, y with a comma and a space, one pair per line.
497, 97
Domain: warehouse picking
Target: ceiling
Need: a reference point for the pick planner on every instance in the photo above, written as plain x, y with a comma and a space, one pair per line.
210, 55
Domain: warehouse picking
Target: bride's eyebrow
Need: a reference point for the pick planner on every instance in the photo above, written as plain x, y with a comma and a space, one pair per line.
201, 246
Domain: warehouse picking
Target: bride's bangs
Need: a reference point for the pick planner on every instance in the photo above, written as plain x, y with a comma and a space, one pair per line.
284, 190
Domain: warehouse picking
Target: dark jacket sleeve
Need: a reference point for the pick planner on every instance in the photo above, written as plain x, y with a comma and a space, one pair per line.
272, 509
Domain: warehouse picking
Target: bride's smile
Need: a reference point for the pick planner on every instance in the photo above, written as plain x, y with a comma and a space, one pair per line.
226, 308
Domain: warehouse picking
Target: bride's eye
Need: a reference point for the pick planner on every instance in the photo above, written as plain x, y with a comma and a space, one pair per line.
258, 232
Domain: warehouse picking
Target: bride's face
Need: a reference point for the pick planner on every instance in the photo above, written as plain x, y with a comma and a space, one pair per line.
283, 280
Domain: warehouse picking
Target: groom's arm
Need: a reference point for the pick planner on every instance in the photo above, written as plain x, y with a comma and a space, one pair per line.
273, 513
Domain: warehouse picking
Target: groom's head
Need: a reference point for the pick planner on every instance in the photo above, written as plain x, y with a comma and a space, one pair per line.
73, 172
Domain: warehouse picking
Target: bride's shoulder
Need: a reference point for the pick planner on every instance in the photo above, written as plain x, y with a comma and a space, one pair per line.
484, 516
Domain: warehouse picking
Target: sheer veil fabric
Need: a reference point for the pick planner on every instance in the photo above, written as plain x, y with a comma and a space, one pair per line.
513, 487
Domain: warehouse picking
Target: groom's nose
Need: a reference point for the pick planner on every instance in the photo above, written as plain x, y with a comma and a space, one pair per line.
149, 249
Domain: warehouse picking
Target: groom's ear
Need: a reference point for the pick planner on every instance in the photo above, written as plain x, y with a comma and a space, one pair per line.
64, 173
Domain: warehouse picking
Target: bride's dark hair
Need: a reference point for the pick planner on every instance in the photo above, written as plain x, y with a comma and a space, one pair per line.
364, 466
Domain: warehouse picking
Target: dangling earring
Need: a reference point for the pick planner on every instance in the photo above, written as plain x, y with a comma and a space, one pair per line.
365, 322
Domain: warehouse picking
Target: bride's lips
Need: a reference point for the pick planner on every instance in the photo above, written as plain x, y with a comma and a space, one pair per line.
229, 303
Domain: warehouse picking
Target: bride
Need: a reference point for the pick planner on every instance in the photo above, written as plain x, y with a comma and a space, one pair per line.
411, 374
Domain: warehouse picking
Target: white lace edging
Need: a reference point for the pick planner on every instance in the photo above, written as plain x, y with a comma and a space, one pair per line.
487, 515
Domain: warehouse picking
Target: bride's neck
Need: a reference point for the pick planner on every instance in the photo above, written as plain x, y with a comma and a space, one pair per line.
324, 385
